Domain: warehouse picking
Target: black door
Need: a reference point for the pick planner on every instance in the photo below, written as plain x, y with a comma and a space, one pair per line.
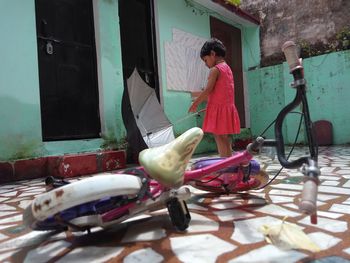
138, 47
67, 69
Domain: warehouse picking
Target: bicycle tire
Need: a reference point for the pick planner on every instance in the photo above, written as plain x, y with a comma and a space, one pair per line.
78, 193
216, 185
179, 213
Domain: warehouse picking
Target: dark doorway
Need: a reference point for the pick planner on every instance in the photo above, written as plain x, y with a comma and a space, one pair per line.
67, 69
231, 37
138, 44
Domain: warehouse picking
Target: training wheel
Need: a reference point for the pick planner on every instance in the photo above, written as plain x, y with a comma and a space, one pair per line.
179, 214
261, 178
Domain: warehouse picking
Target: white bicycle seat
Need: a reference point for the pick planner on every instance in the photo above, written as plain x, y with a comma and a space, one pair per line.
167, 163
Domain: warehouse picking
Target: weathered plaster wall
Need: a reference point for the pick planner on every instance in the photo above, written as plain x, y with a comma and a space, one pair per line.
328, 94
312, 21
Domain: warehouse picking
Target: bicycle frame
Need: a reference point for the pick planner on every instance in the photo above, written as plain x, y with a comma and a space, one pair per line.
157, 194
238, 159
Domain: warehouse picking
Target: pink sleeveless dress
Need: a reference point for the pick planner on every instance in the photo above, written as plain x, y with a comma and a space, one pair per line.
221, 116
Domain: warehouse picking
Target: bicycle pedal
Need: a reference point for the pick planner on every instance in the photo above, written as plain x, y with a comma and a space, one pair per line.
226, 188
55, 182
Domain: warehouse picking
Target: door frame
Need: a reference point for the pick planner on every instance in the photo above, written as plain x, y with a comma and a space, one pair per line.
97, 36
157, 43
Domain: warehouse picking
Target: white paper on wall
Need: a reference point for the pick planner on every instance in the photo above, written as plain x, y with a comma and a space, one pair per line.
184, 68
197, 72
175, 66
187, 39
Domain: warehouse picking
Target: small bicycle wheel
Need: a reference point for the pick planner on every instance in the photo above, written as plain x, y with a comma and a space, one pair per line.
179, 214
77, 199
255, 181
261, 179
216, 184
211, 183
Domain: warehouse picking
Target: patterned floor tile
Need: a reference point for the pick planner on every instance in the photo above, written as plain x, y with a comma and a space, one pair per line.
88, 254
144, 256
323, 240
328, 224
269, 253
223, 228
199, 248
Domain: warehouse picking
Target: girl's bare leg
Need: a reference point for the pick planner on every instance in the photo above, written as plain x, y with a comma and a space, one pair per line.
224, 146
218, 145
228, 144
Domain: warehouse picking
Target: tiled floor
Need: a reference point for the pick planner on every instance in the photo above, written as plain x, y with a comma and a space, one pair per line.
223, 228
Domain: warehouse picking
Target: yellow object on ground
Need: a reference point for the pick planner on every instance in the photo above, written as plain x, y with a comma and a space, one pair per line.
288, 236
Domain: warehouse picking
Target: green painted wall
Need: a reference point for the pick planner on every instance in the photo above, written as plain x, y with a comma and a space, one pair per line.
20, 125
176, 14
20, 120
328, 78
112, 86
266, 97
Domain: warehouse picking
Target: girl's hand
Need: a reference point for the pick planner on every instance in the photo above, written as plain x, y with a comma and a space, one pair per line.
213, 75
193, 107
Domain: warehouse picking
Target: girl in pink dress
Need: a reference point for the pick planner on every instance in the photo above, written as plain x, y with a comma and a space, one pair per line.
221, 117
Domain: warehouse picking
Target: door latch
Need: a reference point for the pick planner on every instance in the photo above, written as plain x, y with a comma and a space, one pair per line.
49, 48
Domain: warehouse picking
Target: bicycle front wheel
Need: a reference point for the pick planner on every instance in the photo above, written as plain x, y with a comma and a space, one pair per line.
38, 215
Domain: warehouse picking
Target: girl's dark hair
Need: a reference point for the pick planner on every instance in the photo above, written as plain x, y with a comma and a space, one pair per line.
215, 45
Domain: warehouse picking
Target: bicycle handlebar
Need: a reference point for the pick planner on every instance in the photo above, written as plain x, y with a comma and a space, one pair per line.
308, 197
290, 51
308, 200
309, 194
255, 146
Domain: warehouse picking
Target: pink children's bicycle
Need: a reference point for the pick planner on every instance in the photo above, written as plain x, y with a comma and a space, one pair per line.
109, 199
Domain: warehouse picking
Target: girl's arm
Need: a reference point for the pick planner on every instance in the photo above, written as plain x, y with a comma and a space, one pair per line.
213, 76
